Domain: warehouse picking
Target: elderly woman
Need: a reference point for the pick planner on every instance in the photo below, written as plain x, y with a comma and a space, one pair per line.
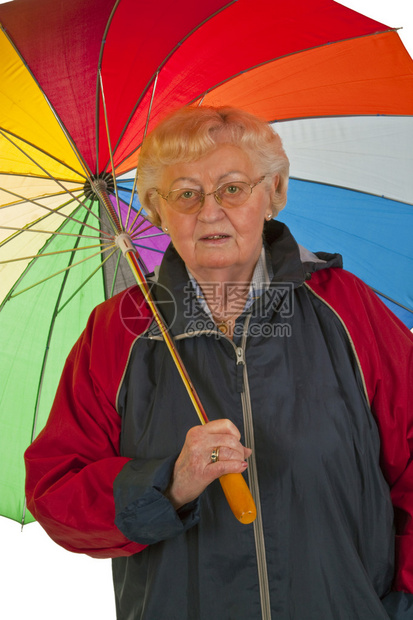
303, 374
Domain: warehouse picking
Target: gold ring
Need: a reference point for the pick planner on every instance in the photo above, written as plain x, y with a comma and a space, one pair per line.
215, 455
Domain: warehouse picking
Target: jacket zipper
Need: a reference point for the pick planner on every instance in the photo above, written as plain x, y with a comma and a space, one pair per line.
253, 480
243, 388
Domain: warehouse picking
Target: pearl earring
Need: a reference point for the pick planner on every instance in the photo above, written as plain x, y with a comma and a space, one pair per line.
166, 229
269, 216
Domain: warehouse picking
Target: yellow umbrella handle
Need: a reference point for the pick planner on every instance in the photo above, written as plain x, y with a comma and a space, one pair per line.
234, 486
239, 497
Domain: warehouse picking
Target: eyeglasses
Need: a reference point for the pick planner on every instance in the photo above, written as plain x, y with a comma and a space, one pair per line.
228, 195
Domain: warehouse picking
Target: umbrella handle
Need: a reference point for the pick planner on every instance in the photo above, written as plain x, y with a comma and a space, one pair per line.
234, 486
239, 497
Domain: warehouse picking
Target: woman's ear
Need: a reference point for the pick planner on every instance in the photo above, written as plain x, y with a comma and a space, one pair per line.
275, 181
273, 188
162, 220
153, 200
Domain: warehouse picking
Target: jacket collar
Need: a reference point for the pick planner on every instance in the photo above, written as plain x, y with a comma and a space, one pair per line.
290, 263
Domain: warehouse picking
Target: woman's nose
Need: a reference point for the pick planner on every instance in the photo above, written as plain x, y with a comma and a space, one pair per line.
211, 210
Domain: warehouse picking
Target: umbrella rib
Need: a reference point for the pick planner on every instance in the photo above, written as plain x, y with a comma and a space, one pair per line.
38, 204
77, 249
134, 231
23, 199
60, 271
348, 189
45, 232
115, 273
48, 241
144, 136
42, 372
50, 176
87, 279
162, 64
131, 227
200, 97
105, 114
160, 234
397, 303
28, 226
144, 247
155, 82
144, 230
6, 132
38, 177
115, 6
139, 211
266, 62
305, 118
61, 125
79, 158
130, 203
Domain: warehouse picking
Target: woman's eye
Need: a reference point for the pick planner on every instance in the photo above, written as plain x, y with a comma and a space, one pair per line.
187, 194
232, 189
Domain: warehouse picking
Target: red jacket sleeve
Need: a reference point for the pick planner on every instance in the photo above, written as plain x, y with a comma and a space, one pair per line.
384, 348
71, 466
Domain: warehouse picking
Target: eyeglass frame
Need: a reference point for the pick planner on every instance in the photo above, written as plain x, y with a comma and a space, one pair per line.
203, 195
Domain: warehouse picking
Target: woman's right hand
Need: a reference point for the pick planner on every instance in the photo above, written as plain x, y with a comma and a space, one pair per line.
194, 469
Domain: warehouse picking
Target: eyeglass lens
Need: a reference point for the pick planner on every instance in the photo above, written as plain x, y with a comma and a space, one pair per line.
188, 200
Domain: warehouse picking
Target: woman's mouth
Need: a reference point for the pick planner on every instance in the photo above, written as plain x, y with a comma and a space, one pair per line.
214, 237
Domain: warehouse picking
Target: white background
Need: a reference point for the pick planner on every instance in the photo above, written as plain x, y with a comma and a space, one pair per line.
41, 581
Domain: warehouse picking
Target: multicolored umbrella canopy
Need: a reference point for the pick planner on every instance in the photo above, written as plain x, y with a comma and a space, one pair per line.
81, 83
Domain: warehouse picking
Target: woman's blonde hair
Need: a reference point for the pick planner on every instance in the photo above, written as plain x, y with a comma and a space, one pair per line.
192, 132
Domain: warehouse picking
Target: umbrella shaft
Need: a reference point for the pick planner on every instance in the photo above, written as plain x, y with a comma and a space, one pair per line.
100, 189
129, 251
234, 486
133, 262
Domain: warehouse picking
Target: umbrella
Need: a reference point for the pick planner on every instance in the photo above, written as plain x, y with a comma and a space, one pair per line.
80, 85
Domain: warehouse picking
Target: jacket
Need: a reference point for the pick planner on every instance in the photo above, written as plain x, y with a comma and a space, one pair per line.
317, 381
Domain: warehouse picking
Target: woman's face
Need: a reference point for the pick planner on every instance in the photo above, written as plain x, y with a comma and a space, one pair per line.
218, 244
